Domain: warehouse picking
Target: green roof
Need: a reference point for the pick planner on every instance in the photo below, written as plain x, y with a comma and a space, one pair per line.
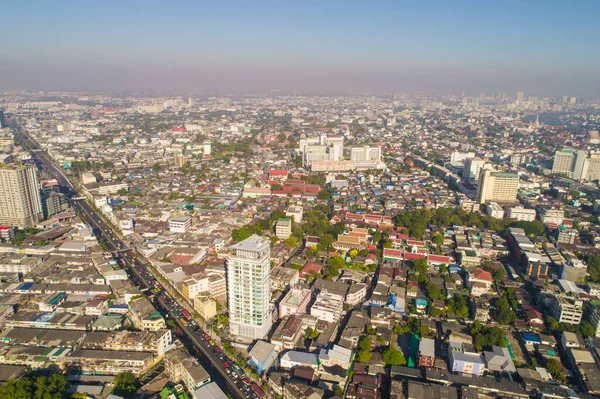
507, 175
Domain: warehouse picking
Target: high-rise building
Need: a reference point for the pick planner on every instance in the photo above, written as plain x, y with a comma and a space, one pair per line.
520, 96
249, 288
497, 187
570, 163
20, 203
472, 168
365, 153
3, 123
179, 160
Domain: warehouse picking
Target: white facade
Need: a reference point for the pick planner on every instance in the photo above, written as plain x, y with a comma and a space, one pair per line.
458, 156
521, 214
180, 224
472, 168
249, 288
365, 153
327, 307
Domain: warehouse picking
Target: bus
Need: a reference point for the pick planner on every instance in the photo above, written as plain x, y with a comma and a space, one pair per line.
186, 314
258, 390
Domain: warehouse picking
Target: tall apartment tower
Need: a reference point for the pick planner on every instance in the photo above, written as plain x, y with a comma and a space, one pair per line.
3, 123
497, 187
249, 288
570, 163
20, 203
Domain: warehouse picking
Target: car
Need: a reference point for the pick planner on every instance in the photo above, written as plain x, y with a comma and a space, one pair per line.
221, 357
206, 336
246, 381
225, 364
217, 348
211, 342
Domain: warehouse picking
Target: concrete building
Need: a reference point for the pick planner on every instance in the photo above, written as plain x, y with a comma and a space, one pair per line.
565, 310
426, 355
472, 168
327, 307
249, 288
494, 210
144, 316
20, 203
295, 302
521, 214
569, 163
295, 213
180, 224
463, 361
365, 153
458, 156
262, 356
552, 216
283, 229
205, 306
497, 187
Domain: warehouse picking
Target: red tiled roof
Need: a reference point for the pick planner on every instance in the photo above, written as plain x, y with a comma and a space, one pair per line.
481, 274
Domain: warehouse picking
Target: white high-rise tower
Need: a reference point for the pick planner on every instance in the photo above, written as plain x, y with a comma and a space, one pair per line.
20, 203
249, 288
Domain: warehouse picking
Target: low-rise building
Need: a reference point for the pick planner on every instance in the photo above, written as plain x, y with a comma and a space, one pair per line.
145, 316
327, 307
283, 228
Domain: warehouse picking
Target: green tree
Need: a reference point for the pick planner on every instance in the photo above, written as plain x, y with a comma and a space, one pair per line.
125, 385
534, 227
324, 195
433, 291
437, 239
503, 312
393, 357
363, 353
122, 191
422, 269
276, 187
36, 385
291, 242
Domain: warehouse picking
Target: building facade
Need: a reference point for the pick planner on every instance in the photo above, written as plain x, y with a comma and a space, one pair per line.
20, 203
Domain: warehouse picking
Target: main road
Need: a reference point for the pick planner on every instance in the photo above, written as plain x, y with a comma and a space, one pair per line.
228, 380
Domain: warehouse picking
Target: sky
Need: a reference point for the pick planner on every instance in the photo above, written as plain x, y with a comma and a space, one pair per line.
545, 48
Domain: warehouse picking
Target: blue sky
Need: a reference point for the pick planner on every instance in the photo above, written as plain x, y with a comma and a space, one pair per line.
435, 46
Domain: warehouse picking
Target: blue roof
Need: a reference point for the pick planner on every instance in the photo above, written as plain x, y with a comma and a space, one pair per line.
528, 336
26, 286
118, 307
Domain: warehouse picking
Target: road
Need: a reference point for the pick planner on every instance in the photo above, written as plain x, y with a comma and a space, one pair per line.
228, 380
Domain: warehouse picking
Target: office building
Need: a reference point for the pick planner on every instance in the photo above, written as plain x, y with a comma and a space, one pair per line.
569, 163
365, 153
497, 187
472, 168
20, 203
249, 288
54, 203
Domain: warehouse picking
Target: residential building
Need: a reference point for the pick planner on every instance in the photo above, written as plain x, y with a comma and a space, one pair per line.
426, 354
181, 367
283, 229
479, 281
20, 203
249, 288
521, 214
262, 356
499, 360
552, 216
205, 306
472, 168
465, 361
144, 316
337, 355
327, 307
365, 153
295, 213
295, 302
569, 163
458, 156
497, 187
180, 224
565, 310
494, 210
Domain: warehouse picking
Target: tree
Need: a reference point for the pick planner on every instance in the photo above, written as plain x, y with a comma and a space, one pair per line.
458, 305
534, 227
433, 291
125, 385
36, 385
437, 239
122, 191
393, 357
422, 268
554, 366
504, 313
363, 353
276, 187
324, 195
291, 242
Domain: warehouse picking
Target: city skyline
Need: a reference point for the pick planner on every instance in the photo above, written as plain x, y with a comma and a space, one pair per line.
437, 47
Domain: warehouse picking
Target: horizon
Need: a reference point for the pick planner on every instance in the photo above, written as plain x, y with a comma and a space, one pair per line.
433, 48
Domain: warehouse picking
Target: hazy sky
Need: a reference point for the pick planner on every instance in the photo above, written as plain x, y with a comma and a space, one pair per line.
540, 47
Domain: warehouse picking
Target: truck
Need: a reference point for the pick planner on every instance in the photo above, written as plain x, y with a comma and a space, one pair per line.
187, 314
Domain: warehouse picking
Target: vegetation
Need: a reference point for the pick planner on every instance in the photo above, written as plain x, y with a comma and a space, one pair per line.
584, 328
533, 228
125, 385
503, 312
36, 385
393, 357
363, 352
459, 306
484, 337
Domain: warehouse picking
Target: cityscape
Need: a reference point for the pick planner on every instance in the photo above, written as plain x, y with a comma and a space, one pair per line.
267, 223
